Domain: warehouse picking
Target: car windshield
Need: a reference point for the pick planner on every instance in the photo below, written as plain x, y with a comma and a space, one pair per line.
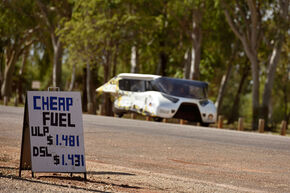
181, 87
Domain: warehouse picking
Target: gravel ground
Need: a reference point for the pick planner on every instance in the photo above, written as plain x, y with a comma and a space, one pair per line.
100, 178
132, 156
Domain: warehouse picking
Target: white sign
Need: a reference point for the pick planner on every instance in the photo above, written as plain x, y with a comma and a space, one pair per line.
56, 132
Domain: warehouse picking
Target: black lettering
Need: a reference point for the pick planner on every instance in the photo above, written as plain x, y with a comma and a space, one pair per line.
56, 159
45, 130
35, 151
34, 131
42, 151
49, 140
45, 117
69, 121
62, 119
47, 154
54, 119
39, 133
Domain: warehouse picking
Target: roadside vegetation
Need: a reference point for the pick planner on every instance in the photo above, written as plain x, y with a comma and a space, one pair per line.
241, 48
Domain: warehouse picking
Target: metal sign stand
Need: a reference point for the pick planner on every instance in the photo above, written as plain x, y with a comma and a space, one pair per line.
53, 89
25, 155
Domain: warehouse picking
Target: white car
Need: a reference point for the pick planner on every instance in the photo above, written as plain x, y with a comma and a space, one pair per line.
161, 97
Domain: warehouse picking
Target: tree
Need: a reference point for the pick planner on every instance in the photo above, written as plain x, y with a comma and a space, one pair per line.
191, 19
21, 79
234, 113
54, 14
16, 37
246, 20
92, 38
77, 36
282, 25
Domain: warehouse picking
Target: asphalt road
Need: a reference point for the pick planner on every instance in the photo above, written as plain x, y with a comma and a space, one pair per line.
247, 162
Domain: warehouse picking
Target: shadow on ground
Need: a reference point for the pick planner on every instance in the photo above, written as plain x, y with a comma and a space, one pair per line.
38, 179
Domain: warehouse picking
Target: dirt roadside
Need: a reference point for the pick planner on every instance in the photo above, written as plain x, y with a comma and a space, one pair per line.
101, 177
108, 150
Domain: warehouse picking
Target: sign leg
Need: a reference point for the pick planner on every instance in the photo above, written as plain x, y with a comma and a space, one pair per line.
23, 158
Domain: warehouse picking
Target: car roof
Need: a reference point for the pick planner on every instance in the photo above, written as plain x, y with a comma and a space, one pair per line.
136, 76
182, 81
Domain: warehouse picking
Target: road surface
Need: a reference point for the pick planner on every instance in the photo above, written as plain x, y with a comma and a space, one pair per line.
176, 158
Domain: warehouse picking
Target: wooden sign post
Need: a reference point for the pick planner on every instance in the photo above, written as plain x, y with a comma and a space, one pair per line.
52, 138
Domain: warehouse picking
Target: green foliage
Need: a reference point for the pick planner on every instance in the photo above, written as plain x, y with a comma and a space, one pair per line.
102, 33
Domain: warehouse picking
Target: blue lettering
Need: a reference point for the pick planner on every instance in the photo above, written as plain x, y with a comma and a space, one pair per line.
61, 103
53, 103
69, 102
45, 103
35, 107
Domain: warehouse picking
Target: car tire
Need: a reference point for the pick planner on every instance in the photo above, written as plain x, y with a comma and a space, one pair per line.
120, 115
157, 119
204, 124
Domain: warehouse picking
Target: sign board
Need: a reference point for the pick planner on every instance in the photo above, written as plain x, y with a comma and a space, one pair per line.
55, 128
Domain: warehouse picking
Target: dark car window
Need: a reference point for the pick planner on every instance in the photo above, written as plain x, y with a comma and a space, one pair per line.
148, 85
132, 85
181, 87
124, 84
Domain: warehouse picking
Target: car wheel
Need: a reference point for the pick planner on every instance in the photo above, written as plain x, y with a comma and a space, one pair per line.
157, 119
204, 124
119, 115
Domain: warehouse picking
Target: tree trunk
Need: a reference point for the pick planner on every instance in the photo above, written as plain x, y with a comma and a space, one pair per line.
255, 94
1, 66
134, 60
163, 63
115, 59
57, 61
90, 90
249, 36
225, 78
251, 52
195, 61
196, 37
21, 79
187, 62
73, 77
84, 92
274, 59
275, 56
163, 60
285, 90
107, 105
236, 105
222, 88
7, 82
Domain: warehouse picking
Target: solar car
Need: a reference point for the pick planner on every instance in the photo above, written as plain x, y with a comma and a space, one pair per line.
161, 97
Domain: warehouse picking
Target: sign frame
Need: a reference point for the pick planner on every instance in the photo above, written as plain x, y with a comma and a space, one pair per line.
26, 144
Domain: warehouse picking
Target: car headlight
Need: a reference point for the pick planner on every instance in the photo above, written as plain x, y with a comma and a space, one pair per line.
172, 99
203, 102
